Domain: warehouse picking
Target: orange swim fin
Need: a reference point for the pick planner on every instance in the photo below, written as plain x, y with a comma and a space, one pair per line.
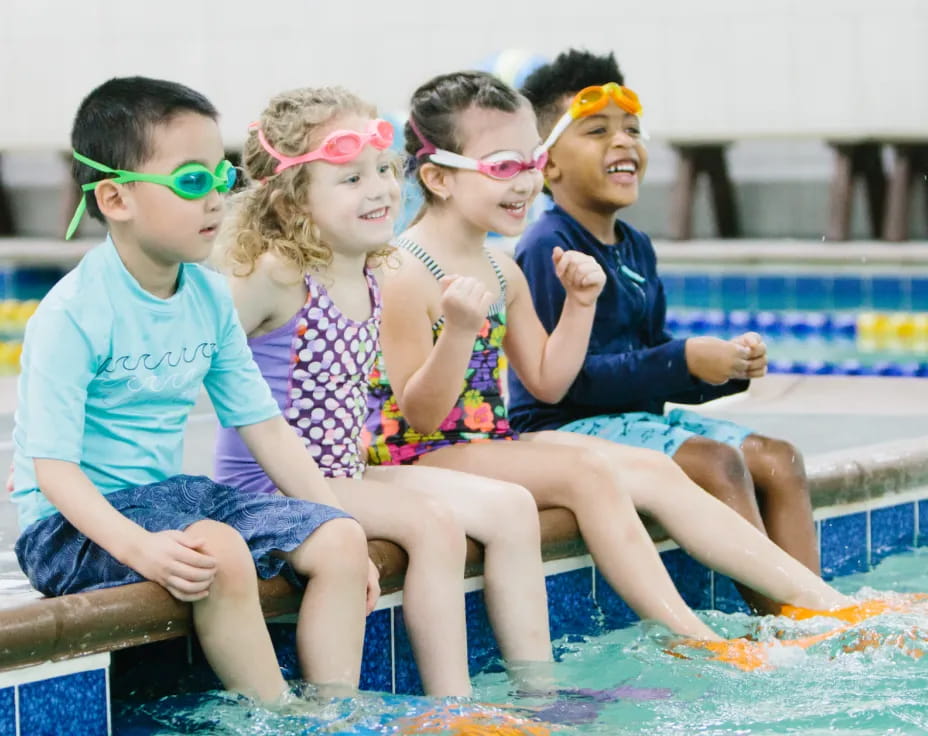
858, 612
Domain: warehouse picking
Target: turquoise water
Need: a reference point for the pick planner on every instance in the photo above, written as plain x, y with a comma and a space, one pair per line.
870, 679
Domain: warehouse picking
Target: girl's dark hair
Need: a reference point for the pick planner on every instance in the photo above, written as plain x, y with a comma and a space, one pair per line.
434, 108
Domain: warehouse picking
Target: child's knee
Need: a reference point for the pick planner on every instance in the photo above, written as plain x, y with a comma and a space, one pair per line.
725, 465
338, 546
234, 563
774, 460
515, 513
589, 476
437, 533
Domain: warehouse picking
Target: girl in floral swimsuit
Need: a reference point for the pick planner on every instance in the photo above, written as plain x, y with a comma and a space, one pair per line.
449, 309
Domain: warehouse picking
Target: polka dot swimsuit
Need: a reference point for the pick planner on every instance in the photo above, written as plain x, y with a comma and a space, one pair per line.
331, 358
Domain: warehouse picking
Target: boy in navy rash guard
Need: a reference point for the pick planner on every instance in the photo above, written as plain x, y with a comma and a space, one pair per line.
596, 160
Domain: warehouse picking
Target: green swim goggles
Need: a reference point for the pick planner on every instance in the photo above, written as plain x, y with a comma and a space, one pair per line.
190, 181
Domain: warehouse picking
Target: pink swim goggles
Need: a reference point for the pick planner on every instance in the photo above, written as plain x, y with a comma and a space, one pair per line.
499, 166
339, 146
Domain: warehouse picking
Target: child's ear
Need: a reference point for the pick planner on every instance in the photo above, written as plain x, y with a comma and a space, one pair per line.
552, 171
111, 199
436, 179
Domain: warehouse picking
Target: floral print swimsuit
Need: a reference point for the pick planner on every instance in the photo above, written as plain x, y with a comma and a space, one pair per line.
480, 412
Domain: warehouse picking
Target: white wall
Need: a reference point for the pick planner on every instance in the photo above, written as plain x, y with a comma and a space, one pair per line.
704, 68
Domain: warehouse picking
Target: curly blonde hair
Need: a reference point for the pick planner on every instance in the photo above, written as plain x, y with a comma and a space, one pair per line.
271, 214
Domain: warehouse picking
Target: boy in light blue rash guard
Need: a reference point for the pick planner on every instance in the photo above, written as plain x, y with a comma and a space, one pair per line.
597, 157
113, 361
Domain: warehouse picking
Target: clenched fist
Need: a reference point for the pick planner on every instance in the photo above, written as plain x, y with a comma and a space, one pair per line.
581, 275
757, 357
716, 361
465, 302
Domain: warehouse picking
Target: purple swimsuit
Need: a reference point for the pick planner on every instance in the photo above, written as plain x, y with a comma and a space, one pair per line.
317, 366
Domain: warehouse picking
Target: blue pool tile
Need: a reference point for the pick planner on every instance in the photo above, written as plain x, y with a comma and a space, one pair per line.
673, 289
727, 599
376, 667
772, 293
571, 608
482, 652
692, 579
888, 292
283, 637
891, 530
159, 669
923, 523
844, 545
847, 292
813, 292
7, 712
737, 292
407, 674
74, 705
919, 294
614, 611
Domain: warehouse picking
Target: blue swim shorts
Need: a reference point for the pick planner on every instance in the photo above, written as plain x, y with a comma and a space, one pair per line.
664, 433
58, 559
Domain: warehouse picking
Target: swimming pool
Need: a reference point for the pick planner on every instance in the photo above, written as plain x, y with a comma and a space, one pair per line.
870, 679
814, 322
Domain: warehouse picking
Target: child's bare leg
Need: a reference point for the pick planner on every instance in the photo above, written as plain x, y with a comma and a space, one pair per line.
721, 471
433, 591
581, 481
229, 621
783, 495
710, 531
330, 628
503, 517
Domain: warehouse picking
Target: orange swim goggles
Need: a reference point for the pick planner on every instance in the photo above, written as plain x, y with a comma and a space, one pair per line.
591, 100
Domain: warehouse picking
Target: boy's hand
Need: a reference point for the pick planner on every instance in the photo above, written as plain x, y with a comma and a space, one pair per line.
757, 358
173, 559
716, 361
581, 275
9, 480
465, 302
373, 585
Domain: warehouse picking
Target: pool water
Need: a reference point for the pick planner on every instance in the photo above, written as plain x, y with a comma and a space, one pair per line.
870, 679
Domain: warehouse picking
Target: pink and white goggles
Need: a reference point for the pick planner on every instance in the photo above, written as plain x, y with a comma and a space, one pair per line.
339, 146
503, 166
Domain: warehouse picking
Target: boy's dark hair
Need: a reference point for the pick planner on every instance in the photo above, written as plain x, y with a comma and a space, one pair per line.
570, 72
114, 123
435, 105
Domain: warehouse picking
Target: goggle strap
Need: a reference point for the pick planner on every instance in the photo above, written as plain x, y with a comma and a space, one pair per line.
427, 148
282, 161
93, 164
562, 125
448, 158
78, 214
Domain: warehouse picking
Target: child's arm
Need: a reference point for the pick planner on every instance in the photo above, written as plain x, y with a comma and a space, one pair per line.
613, 381
59, 362
281, 454
255, 294
548, 364
170, 558
426, 377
